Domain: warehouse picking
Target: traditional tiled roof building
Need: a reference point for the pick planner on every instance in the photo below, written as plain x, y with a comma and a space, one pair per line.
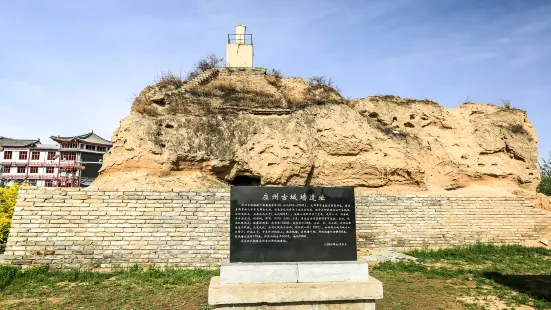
87, 150
87, 139
74, 162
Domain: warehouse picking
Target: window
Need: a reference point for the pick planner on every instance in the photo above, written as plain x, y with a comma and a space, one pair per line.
32, 182
23, 155
49, 183
69, 145
68, 156
21, 169
33, 170
7, 169
51, 155
101, 148
7, 154
90, 147
35, 155
49, 169
68, 184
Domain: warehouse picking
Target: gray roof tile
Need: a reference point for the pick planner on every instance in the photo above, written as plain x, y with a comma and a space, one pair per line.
46, 147
90, 137
17, 142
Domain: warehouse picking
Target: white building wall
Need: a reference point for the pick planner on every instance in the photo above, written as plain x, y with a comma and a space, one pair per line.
239, 54
28, 163
40, 164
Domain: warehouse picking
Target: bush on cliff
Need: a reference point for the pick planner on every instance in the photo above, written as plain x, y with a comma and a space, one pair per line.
208, 62
8, 196
545, 185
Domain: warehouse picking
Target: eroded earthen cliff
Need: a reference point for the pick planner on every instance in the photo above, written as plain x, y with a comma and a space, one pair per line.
246, 126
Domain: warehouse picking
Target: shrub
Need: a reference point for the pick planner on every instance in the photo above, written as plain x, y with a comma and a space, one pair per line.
8, 196
322, 89
321, 81
142, 106
169, 78
517, 128
545, 185
546, 166
276, 73
274, 78
506, 104
204, 64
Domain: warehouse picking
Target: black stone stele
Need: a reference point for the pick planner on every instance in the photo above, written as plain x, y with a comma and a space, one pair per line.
292, 224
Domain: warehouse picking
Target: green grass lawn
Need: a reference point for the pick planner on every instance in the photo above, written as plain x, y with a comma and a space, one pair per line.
133, 288
470, 277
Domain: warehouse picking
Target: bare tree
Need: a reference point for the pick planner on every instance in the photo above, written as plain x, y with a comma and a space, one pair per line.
321, 81
204, 64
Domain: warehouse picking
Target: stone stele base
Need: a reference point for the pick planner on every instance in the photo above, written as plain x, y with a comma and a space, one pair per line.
349, 295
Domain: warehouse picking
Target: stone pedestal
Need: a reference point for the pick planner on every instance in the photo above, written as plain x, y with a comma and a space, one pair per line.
296, 286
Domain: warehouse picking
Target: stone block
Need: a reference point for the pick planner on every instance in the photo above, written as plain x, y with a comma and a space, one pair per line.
333, 271
258, 273
344, 305
293, 272
287, 295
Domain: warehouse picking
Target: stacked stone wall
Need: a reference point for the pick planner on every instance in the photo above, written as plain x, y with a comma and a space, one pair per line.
105, 228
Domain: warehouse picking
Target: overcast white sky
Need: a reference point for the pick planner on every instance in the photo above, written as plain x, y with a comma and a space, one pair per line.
67, 67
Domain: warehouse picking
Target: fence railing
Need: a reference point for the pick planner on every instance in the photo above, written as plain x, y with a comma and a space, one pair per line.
31, 163
234, 38
28, 177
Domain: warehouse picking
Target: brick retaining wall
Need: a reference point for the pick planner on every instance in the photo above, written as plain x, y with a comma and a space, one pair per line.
190, 228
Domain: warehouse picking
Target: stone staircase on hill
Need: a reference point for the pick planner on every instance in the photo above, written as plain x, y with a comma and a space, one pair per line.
202, 78
160, 98
209, 74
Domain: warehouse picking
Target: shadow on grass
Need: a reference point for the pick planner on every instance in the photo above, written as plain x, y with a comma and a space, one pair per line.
538, 286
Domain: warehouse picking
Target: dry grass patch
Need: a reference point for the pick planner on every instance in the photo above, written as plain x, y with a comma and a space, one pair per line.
274, 77
167, 79
144, 106
400, 100
230, 93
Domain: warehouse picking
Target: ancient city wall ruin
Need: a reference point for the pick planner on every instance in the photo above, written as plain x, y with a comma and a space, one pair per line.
104, 228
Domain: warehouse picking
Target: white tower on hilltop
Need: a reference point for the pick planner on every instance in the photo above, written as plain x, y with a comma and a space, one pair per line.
239, 50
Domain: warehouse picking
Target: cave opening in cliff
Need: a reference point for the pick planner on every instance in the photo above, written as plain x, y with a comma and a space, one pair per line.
245, 180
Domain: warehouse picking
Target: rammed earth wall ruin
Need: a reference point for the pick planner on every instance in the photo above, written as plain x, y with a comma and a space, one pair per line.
104, 228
